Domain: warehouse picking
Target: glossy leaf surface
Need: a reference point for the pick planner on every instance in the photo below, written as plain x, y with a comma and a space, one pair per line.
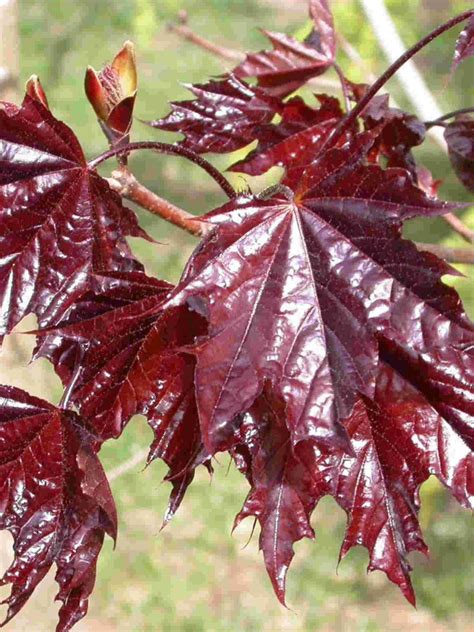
142, 370
459, 136
305, 337
283, 490
464, 44
224, 116
288, 287
55, 501
294, 141
59, 220
398, 440
291, 62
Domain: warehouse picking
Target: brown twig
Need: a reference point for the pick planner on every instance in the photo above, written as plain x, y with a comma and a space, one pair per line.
229, 54
183, 30
139, 458
459, 227
125, 183
452, 255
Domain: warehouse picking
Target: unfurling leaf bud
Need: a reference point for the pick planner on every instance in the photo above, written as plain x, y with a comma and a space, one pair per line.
112, 91
34, 89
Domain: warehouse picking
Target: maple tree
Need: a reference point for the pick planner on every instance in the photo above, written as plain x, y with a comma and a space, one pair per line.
306, 337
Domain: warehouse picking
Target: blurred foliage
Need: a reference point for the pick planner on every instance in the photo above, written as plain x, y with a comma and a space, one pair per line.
193, 576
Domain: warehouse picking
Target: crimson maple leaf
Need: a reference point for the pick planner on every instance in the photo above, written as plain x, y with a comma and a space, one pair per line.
59, 220
123, 371
306, 336
294, 141
229, 114
284, 491
108, 291
459, 137
225, 115
291, 62
297, 289
399, 440
399, 131
55, 501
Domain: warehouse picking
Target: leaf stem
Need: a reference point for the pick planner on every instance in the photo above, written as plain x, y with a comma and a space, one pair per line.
175, 150
345, 93
440, 120
64, 404
126, 185
388, 74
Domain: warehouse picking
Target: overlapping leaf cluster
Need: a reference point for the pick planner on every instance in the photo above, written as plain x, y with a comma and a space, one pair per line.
306, 336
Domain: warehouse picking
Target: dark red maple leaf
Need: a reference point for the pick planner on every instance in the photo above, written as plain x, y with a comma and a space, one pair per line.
291, 62
121, 366
229, 114
459, 137
399, 131
140, 370
306, 336
399, 440
464, 44
224, 116
296, 289
283, 491
108, 291
294, 141
59, 220
55, 501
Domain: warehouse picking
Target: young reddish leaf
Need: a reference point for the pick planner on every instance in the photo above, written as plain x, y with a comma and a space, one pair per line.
296, 289
175, 423
464, 44
291, 63
229, 114
293, 142
426, 182
72, 224
398, 131
283, 491
459, 136
34, 89
399, 440
108, 291
224, 116
55, 501
126, 371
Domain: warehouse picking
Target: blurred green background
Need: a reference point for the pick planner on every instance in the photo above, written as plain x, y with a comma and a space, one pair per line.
194, 576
